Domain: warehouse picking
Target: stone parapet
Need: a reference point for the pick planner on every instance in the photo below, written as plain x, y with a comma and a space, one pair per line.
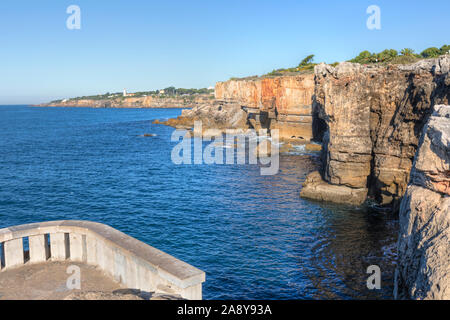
128, 260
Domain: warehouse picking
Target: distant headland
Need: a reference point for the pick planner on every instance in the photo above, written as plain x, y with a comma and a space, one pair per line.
170, 97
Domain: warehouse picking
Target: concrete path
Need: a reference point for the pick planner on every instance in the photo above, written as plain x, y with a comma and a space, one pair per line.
47, 281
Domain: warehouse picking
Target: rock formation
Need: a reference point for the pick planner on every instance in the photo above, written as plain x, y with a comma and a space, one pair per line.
218, 115
374, 116
282, 103
140, 102
423, 270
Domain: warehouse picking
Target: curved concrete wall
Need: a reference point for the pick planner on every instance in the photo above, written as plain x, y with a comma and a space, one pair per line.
128, 260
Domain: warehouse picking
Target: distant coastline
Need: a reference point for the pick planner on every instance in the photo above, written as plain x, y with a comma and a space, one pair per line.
143, 102
167, 98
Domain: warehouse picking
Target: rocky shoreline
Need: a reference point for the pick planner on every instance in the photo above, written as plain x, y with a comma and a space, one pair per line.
374, 118
140, 102
281, 103
385, 137
368, 119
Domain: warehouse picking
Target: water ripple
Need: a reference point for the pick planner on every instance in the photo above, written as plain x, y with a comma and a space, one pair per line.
252, 235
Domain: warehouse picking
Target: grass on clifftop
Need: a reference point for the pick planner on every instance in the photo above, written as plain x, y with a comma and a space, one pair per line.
388, 56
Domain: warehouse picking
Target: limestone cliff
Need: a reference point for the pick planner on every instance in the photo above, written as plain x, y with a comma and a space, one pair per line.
218, 115
374, 116
140, 102
282, 103
423, 270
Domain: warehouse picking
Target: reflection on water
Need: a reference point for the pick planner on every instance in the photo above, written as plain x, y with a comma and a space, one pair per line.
253, 235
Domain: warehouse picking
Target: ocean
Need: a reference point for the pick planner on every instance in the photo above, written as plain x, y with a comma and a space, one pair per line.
253, 235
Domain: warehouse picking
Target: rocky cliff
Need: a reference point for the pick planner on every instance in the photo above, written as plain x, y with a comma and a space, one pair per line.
218, 115
282, 103
423, 270
373, 117
140, 102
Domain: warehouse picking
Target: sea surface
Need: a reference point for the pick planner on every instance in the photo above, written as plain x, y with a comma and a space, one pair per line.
253, 235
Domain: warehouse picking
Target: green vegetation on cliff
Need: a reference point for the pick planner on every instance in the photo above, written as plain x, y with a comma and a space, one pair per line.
304, 66
168, 92
406, 55
388, 56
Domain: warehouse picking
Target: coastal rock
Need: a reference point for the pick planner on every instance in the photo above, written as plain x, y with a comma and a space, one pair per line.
275, 103
139, 102
313, 147
423, 270
432, 163
316, 188
263, 149
373, 117
215, 118
286, 148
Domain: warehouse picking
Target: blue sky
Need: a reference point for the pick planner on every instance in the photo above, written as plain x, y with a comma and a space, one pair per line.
146, 45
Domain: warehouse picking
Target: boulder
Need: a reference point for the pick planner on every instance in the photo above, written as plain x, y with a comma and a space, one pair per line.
313, 147
316, 188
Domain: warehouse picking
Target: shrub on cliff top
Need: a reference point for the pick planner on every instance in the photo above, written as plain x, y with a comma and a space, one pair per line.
305, 65
445, 49
432, 52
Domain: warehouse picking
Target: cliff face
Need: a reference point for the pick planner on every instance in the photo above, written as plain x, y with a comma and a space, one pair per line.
423, 270
374, 117
282, 103
285, 94
219, 115
141, 102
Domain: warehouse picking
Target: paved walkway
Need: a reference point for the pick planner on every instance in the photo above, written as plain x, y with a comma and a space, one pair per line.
47, 281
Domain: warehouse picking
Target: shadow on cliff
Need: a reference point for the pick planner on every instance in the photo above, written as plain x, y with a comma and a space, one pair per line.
319, 126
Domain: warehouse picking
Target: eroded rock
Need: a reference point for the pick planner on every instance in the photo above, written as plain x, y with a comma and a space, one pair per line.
275, 103
374, 116
316, 188
215, 118
423, 270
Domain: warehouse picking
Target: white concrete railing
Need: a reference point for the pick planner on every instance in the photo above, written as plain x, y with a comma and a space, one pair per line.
127, 260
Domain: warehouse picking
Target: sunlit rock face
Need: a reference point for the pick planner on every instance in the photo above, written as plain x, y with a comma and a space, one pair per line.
423, 270
218, 115
374, 117
282, 103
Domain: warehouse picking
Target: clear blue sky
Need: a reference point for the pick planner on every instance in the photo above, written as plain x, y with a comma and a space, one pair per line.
146, 45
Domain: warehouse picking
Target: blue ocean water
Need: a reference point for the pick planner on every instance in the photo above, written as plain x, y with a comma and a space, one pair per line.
253, 235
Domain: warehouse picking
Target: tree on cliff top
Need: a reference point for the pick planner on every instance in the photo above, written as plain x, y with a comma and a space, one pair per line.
307, 61
407, 52
305, 65
387, 55
363, 57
